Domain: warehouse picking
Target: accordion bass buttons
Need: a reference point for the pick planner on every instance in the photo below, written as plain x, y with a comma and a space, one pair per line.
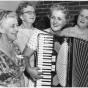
53, 61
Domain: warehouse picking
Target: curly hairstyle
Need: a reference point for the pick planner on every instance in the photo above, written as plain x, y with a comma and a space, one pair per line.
62, 8
23, 5
7, 14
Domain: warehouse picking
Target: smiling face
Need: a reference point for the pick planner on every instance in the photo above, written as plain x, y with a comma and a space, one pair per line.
82, 20
10, 28
28, 14
57, 20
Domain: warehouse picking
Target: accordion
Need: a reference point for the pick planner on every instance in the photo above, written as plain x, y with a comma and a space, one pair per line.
70, 65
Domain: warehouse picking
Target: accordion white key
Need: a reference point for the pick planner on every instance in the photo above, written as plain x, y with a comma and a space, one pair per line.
44, 61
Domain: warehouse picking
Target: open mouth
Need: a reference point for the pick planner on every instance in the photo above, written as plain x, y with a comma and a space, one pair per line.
82, 22
55, 25
32, 18
15, 34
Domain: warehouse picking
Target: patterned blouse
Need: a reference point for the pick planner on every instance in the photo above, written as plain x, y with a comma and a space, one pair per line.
11, 71
32, 42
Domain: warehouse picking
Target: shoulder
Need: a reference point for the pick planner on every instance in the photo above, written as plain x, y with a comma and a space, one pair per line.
34, 35
36, 32
47, 30
66, 31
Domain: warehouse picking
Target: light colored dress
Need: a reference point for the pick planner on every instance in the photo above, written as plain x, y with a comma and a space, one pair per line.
22, 38
75, 32
33, 41
11, 70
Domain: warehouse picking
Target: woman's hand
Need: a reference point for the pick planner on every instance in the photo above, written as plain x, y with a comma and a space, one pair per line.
33, 71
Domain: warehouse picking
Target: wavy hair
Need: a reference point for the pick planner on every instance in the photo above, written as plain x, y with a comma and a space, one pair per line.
23, 5
63, 8
7, 14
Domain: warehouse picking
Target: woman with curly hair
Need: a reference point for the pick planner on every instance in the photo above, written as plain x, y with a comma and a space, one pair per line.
11, 60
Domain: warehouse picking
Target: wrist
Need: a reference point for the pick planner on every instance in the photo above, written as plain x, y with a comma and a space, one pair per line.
28, 69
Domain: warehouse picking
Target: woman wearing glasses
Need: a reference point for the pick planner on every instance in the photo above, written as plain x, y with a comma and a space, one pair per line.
26, 12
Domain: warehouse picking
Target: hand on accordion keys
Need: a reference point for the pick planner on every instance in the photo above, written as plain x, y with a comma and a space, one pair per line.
35, 75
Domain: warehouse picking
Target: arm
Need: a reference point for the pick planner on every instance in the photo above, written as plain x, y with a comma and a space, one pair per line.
29, 50
33, 71
27, 53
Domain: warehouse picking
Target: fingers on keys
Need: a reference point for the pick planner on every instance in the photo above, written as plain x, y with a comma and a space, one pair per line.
39, 74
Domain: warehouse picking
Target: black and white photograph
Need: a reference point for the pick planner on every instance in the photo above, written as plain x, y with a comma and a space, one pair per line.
43, 43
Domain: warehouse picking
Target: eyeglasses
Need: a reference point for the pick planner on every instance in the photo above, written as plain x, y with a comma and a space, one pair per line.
29, 12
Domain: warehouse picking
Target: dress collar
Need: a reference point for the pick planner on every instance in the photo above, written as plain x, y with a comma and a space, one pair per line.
79, 31
22, 26
55, 33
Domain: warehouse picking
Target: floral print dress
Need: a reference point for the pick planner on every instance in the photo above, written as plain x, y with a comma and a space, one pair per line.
10, 70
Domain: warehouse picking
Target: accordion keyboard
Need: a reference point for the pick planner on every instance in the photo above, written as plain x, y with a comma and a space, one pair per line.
44, 62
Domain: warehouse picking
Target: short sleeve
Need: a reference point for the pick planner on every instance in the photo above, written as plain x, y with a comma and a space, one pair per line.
32, 42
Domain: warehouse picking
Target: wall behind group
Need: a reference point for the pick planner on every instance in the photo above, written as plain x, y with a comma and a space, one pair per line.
42, 7
12, 5
73, 6
9, 5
